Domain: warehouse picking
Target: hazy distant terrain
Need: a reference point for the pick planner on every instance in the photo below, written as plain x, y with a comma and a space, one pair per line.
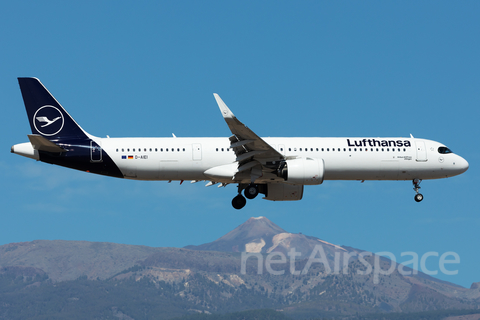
79, 279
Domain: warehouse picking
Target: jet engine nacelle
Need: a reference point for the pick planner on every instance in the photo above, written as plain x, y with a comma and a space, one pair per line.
304, 171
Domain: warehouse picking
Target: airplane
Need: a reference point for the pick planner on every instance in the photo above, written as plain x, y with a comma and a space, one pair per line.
278, 168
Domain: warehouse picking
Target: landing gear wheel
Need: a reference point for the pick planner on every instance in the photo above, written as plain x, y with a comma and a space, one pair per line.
418, 197
416, 187
239, 202
251, 191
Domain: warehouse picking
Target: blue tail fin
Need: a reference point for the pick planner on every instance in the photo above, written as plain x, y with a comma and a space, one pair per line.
46, 116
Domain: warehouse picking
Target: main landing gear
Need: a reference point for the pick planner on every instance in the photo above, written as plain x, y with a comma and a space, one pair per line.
416, 187
250, 192
239, 202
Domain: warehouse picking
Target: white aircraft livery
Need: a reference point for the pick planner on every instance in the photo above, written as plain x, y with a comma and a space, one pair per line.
278, 168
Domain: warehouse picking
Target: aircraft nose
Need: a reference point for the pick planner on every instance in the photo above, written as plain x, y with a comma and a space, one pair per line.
461, 164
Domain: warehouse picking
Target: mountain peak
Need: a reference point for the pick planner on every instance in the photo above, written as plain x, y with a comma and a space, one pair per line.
259, 234
253, 228
257, 218
256, 232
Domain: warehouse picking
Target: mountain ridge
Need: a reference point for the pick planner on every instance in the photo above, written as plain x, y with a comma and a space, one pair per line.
268, 271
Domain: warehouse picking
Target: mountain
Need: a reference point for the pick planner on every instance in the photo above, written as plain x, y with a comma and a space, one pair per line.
68, 260
263, 236
257, 265
249, 236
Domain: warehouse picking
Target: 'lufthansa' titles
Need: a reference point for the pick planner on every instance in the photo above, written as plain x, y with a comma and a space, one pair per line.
378, 143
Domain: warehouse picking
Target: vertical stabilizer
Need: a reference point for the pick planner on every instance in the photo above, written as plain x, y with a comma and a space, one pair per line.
46, 116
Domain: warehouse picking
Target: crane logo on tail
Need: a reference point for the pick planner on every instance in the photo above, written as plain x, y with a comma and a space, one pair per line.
48, 120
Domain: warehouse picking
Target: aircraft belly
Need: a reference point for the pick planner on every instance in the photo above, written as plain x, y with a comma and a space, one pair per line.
383, 169
362, 169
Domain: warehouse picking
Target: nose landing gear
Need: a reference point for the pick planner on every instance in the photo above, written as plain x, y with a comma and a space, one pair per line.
416, 186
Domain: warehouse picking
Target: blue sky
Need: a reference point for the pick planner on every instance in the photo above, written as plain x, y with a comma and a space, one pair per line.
314, 68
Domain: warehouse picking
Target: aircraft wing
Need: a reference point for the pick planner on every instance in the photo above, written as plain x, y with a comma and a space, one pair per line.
250, 149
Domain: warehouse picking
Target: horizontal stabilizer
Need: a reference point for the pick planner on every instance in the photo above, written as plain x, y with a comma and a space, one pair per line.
43, 144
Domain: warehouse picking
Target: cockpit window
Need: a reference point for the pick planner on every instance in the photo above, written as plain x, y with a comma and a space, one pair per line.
444, 150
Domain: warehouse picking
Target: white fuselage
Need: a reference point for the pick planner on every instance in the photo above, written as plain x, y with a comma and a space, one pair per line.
344, 158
